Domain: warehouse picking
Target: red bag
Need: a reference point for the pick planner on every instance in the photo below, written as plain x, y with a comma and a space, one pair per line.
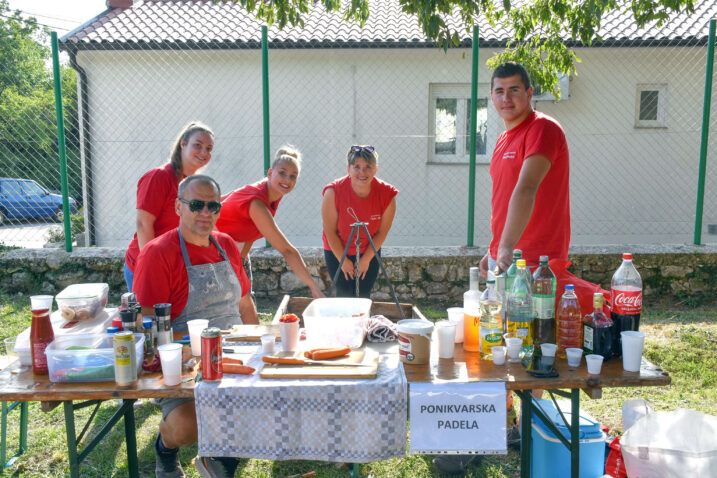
615, 465
583, 289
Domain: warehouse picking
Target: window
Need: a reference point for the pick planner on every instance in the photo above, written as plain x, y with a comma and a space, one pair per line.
450, 119
31, 188
651, 106
11, 188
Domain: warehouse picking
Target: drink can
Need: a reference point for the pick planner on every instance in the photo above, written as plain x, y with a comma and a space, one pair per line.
211, 354
125, 358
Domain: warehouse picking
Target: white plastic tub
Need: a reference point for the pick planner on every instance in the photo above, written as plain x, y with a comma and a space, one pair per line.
336, 321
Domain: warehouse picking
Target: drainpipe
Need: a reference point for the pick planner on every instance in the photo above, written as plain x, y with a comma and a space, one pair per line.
84, 112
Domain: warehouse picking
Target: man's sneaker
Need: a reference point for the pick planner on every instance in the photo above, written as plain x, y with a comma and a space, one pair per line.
167, 462
211, 467
454, 463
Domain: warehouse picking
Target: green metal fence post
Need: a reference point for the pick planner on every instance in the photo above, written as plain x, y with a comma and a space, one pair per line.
472, 157
61, 141
265, 99
705, 134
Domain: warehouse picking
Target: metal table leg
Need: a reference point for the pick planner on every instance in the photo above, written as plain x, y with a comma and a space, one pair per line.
6, 409
575, 433
526, 430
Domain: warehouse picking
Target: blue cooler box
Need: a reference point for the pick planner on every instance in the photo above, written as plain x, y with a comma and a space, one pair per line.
549, 458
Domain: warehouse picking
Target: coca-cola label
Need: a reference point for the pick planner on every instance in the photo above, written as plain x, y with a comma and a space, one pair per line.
627, 302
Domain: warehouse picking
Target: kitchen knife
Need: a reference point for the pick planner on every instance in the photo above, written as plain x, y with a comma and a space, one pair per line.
305, 361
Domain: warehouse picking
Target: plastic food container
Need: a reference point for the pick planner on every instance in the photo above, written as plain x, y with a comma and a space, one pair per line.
337, 321
82, 301
91, 360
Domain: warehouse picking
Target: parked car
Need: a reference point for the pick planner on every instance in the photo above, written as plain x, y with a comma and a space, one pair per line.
26, 199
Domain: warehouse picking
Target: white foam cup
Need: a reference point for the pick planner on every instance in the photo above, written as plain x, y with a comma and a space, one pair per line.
594, 363
170, 355
548, 349
632, 344
289, 332
446, 338
267, 343
455, 314
575, 355
195, 334
498, 352
39, 302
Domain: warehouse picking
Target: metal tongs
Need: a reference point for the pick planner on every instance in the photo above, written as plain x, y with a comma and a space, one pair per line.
306, 361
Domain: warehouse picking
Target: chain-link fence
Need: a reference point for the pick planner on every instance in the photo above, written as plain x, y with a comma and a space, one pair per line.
632, 117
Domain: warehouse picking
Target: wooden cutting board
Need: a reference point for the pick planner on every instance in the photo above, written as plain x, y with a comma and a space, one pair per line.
251, 333
324, 371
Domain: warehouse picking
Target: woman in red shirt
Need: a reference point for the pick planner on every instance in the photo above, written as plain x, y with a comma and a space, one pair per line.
357, 197
248, 214
157, 190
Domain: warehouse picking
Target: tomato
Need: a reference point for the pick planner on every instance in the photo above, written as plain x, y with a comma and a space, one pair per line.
289, 318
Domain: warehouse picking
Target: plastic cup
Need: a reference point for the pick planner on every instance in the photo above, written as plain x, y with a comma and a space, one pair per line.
632, 344
195, 334
267, 343
10, 349
289, 332
575, 355
40, 302
170, 355
455, 314
514, 346
446, 338
594, 363
498, 352
548, 349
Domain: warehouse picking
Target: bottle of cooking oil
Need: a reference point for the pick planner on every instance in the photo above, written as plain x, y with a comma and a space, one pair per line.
471, 313
491, 323
520, 306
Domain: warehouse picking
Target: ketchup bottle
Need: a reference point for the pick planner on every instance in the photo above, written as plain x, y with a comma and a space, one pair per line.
41, 335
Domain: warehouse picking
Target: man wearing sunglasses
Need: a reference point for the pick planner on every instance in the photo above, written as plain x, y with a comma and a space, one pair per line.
199, 272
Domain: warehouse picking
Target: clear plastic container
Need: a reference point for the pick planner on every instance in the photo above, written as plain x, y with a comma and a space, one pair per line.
82, 301
337, 321
89, 359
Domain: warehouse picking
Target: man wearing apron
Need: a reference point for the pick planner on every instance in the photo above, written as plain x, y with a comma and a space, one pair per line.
200, 273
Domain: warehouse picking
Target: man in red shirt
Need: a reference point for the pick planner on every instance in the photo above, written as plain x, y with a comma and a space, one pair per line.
201, 274
530, 169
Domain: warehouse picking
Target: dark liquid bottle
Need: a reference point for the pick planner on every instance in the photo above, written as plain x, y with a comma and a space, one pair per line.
41, 334
598, 330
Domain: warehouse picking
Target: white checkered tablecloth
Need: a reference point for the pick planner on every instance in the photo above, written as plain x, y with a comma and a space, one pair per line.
355, 421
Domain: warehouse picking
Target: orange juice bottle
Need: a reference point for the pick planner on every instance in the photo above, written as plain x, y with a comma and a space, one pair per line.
471, 313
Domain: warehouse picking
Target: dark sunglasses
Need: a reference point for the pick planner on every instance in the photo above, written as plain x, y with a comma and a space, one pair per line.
357, 148
195, 205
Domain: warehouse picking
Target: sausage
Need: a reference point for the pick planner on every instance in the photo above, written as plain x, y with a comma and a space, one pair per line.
234, 361
286, 360
330, 353
238, 369
308, 353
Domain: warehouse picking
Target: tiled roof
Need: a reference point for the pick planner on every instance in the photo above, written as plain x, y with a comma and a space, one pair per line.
206, 24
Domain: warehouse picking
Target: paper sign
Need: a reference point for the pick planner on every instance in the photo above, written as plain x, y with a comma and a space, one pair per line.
458, 418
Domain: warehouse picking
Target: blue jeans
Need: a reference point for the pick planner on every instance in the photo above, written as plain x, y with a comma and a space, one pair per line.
128, 277
347, 288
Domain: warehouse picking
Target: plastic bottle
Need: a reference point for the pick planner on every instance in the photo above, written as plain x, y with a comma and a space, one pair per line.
510, 273
471, 313
491, 323
544, 286
41, 334
569, 327
598, 330
520, 306
626, 293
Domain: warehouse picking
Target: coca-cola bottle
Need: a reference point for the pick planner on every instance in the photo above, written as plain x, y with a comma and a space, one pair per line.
626, 294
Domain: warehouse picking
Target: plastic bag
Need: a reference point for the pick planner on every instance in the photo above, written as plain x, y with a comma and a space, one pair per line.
615, 464
583, 289
671, 444
633, 410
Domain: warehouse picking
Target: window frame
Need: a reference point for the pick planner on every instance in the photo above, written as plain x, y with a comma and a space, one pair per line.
462, 93
662, 105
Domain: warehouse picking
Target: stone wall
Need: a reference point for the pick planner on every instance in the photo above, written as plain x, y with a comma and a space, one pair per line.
675, 271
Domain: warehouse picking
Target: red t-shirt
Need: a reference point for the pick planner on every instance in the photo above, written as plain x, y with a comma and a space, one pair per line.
369, 209
234, 217
156, 192
161, 275
548, 231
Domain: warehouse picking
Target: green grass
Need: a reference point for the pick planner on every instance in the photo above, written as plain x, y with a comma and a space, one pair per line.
683, 341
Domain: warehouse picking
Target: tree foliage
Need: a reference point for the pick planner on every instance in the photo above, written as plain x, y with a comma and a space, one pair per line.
539, 27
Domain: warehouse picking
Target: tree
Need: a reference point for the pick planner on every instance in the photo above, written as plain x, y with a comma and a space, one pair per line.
538, 26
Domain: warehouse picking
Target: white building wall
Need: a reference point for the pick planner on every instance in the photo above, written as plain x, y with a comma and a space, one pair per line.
325, 100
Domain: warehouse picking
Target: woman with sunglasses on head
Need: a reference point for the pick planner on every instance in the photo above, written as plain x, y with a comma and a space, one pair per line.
157, 190
358, 195
248, 214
